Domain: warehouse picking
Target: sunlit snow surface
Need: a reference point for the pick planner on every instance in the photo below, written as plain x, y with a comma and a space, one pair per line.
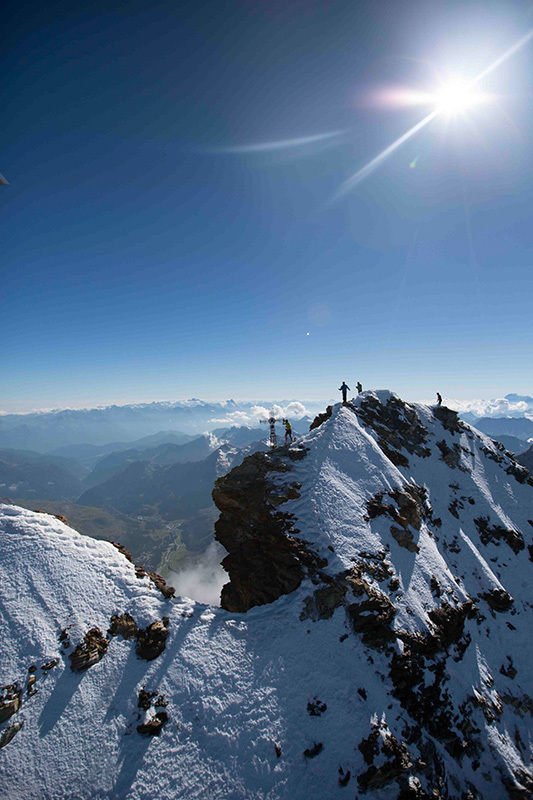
238, 685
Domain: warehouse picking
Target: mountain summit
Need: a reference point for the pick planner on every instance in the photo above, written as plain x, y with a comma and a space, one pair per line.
373, 640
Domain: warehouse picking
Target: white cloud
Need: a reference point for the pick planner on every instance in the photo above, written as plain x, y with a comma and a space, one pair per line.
204, 580
499, 407
253, 416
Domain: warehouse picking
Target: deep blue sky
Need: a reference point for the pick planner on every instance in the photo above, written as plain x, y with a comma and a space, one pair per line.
143, 260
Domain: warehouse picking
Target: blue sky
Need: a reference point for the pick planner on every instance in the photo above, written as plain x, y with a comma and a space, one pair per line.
146, 257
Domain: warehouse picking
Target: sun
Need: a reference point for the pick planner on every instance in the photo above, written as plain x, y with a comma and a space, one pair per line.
457, 96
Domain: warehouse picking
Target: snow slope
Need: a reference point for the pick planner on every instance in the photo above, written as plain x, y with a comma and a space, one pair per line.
270, 704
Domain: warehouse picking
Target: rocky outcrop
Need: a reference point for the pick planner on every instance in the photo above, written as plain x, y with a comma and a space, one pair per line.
498, 599
382, 744
496, 533
152, 640
412, 507
123, 625
398, 427
153, 726
321, 418
7, 735
90, 651
9, 701
265, 559
157, 580
449, 419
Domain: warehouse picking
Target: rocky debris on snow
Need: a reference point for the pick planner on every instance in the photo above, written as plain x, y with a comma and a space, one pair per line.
50, 664
381, 742
123, 625
344, 777
316, 707
411, 508
451, 455
90, 651
498, 599
372, 615
495, 533
154, 725
500, 455
9, 701
449, 419
277, 750
321, 418
265, 559
323, 602
311, 752
146, 700
152, 640
30, 687
398, 427
157, 580
7, 735
508, 669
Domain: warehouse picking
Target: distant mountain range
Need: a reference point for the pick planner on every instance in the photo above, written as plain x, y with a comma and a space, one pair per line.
57, 430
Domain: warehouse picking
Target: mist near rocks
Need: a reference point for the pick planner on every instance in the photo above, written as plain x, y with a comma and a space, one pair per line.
203, 580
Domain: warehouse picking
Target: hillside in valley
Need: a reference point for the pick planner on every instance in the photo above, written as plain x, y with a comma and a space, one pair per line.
373, 640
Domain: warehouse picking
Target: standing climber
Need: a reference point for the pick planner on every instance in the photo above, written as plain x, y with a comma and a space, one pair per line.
344, 388
288, 431
439, 399
359, 387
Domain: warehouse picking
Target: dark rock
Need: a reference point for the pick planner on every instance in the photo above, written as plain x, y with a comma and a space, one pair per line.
50, 664
145, 699
311, 752
372, 615
157, 580
316, 707
7, 735
451, 455
277, 749
508, 670
498, 599
323, 602
344, 777
321, 418
9, 701
155, 725
90, 651
265, 560
398, 427
495, 533
449, 419
152, 641
123, 625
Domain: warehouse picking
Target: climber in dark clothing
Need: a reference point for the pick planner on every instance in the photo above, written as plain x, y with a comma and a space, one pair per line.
344, 388
359, 387
439, 399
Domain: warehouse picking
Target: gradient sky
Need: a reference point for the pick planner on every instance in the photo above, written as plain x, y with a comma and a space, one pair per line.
152, 250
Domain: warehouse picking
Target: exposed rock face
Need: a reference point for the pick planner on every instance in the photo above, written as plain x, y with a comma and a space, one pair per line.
495, 533
449, 419
152, 641
498, 599
9, 701
411, 508
90, 651
265, 558
398, 427
123, 625
320, 418
7, 735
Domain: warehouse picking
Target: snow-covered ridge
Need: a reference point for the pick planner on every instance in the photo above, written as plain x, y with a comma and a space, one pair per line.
398, 666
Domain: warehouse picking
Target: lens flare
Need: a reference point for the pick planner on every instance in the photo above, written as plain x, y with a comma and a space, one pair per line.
458, 96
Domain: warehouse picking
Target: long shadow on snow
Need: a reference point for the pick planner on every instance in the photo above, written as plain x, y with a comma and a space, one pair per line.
62, 693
